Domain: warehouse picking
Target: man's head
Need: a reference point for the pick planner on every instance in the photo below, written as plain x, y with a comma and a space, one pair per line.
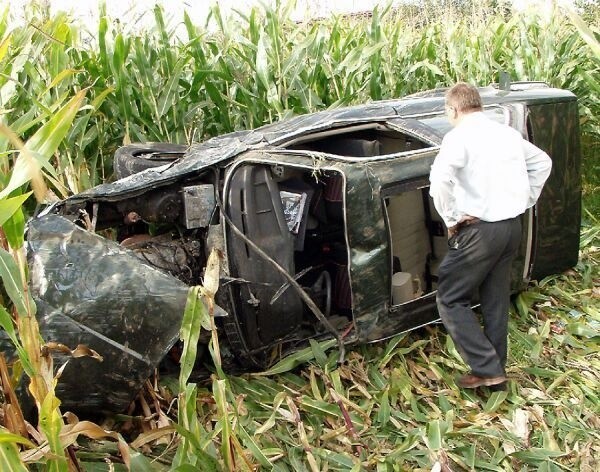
462, 99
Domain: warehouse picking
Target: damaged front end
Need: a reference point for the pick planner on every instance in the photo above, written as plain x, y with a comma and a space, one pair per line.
114, 275
90, 290
112, 271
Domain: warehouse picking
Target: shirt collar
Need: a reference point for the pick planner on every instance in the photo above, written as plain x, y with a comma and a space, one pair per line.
471, 117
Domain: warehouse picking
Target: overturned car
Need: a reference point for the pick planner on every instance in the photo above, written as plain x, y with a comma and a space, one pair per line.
324, 223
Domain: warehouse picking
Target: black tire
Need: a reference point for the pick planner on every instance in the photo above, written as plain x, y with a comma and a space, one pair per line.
137, 157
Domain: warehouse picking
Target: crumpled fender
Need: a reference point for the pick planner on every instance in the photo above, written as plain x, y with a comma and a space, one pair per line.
89, 290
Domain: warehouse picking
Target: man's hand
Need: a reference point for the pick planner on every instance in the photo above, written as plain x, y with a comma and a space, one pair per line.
453, 230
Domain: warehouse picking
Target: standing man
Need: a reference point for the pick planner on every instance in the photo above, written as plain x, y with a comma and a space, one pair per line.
484, 177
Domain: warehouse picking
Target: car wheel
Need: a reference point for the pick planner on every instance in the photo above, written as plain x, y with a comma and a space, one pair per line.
137, 157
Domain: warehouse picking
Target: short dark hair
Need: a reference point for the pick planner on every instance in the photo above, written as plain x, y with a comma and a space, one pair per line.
464, 97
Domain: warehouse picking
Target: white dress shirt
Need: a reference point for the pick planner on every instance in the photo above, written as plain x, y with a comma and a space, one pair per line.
487, 170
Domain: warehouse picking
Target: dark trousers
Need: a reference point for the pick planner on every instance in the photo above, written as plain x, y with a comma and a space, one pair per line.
479, 258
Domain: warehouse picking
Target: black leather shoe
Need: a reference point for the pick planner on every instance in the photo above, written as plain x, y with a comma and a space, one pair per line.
473, 381
501, 387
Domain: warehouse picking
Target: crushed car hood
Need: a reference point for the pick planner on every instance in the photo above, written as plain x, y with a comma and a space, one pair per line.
84, 296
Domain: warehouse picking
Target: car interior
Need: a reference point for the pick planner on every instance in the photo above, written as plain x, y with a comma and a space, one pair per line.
418, 243
297, 217
372, 139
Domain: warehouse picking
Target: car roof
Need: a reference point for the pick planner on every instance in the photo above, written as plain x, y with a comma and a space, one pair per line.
222, 148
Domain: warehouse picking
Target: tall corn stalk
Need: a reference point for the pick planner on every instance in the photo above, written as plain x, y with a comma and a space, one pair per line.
39, 99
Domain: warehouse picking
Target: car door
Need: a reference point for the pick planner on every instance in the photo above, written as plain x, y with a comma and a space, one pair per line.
553, 126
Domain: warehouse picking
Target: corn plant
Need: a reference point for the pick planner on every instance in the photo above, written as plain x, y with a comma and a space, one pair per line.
28, 165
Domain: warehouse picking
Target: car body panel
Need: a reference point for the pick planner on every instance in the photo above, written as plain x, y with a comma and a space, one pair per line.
555, 129
89, 290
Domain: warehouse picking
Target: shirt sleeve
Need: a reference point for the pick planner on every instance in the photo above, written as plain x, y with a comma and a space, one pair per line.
450, 159
538, 165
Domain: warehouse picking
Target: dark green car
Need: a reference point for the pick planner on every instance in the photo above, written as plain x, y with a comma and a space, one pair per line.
323, 221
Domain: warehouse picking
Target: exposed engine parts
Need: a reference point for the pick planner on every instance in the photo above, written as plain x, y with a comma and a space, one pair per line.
184, 258
158, 207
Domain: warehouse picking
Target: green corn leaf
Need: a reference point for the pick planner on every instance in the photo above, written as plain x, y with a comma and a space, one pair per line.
120, 53
434, 435
536, 455
334, 458
583, 330
319, 353
9, 206
297, 358
4, 44
189, 448
6, 322
315, 385
203, 466
220, 394
495, 401
403, 384
275, 405
262, 65
336, 381
140, 463
377, 378
7, 437
13, 284
27, 168
255, 449
416, 412
98, 99
297, 459
524, 302
51, 424
319, 406
45, 141
417, 344
383, 415
14, 229
190, 332
485, 465
389, 350
60, 77
549, 466
9, 457
40, 147
585, 32
401, 450
169, 95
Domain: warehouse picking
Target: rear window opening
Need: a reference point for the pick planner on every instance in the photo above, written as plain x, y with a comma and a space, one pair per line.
360, 141
418, 243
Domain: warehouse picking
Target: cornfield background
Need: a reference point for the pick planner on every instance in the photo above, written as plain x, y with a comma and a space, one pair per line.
70, 96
